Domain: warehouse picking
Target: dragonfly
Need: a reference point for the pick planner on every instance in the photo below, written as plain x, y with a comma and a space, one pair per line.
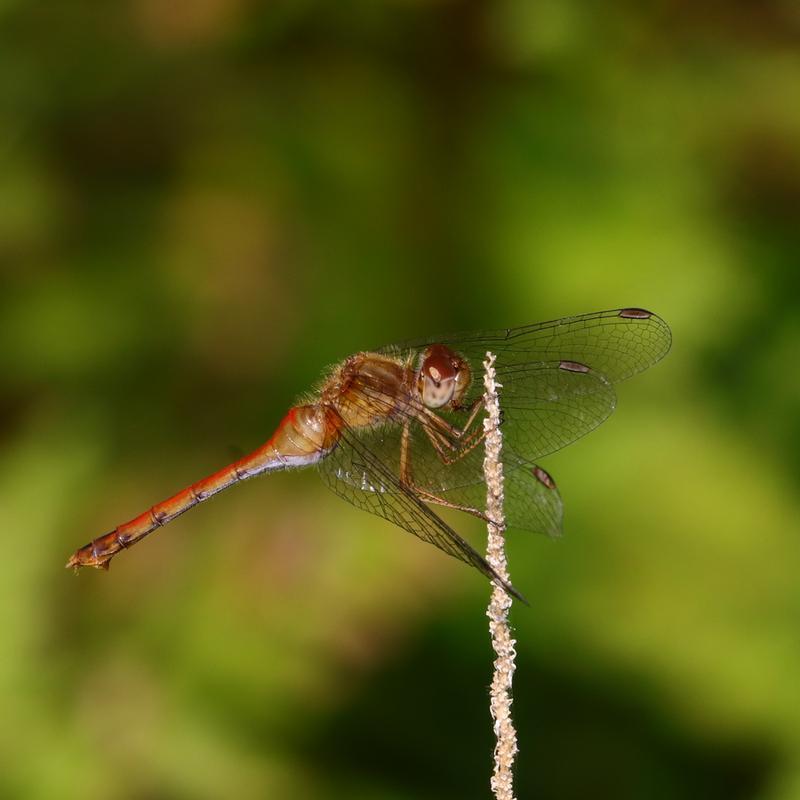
397, 431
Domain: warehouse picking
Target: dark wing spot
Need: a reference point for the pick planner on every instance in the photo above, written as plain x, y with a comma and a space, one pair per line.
543, 477
635, 313
573, 366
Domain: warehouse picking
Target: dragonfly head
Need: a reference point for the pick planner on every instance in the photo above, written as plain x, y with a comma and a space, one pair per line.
443, 377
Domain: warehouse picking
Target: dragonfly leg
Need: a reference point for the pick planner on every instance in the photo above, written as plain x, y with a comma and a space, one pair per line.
405, 469
467, 441
406, 475
477, 405
429, 497
439, 442
453, 430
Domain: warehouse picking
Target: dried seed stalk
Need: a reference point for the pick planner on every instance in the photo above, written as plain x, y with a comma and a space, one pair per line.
505, 750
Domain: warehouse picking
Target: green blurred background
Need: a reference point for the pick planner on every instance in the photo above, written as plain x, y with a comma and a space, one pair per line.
203, 204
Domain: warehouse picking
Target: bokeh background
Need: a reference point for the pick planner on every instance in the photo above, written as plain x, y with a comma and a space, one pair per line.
204, 204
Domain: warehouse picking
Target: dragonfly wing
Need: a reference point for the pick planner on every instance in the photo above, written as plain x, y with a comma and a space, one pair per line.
546, 407
532, 501
617, 344
359, 476
557, 377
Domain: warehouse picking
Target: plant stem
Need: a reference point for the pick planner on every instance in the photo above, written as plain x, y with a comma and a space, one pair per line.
505, 750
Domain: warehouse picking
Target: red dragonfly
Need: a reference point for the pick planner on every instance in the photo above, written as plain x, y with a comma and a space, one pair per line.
396, 430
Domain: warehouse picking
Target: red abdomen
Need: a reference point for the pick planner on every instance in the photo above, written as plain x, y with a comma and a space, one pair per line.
303, 437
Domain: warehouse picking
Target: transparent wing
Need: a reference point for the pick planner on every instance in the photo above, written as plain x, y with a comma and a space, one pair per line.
532, 501
557, 377
359, 476
617, 344
546, 406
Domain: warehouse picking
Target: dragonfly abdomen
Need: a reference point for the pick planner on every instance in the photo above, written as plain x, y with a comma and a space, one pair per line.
304, 436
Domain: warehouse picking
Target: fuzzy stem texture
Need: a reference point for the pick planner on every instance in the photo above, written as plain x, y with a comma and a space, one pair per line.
505, 750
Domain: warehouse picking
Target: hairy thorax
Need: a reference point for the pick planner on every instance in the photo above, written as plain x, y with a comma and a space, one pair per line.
369, 388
